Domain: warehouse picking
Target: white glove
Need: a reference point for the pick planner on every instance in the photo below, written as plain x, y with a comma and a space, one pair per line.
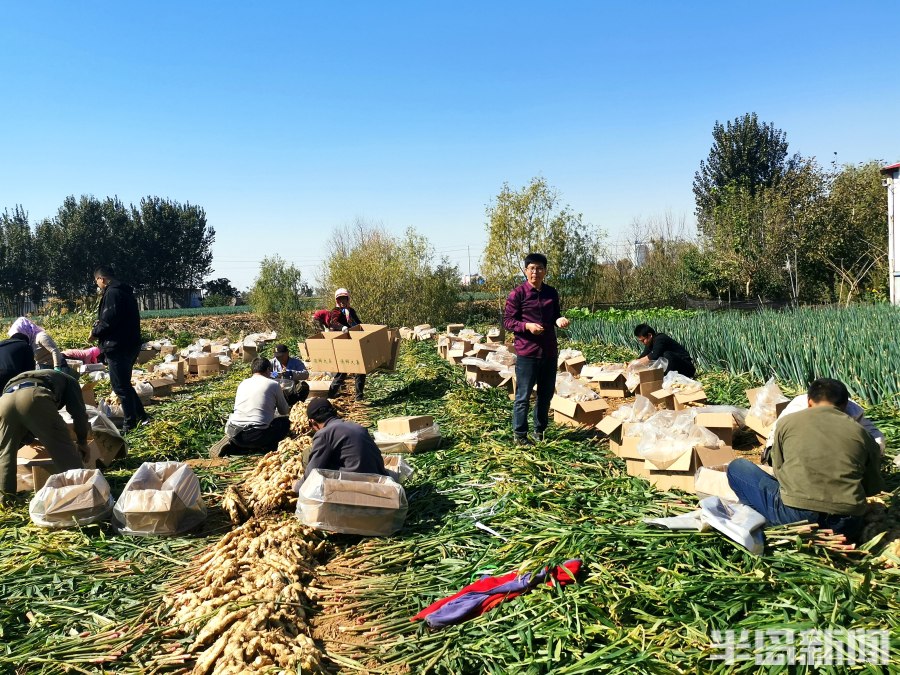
345, 329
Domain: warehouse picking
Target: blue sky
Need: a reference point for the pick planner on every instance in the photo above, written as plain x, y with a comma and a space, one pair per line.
287, 120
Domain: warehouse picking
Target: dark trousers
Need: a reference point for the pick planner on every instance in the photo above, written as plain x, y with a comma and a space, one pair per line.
297, 393
338, 381
120, 364
263, 438
760, 491
680, 365
530, 372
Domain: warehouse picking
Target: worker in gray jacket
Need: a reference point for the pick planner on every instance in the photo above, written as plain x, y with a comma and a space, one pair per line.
340, 445
29, 406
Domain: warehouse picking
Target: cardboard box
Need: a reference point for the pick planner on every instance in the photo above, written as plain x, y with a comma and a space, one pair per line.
145, 355
363, 349
352, 503
33, 467
621, 442
689, 399
577, 413
318, 388
176, 369
454, 328
649, 387
679, 473
480, 351
87, 393
421, 327
394, 338
755, 424
662, 397
207, 366
457, 351
165, 350
637, 467
406, 333
722, 424
496, 336
478, 375
711, 481
249, 351
302, 352
398, 426
321, 352
573, 365
611, 385
162, 386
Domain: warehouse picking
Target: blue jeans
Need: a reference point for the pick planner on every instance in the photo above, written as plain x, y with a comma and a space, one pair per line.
531, 371
760, 491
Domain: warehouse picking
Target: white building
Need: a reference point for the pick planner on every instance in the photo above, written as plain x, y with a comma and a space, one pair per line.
891, 181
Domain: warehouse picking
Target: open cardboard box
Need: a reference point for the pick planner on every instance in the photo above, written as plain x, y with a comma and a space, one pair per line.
318, 388
395, 428
454, 328
573, 365
496, 336
754, 423
476, 375
577, 413
722, 424
352, 503
611, 385
622, 443
457, 351
33, 467
679, 473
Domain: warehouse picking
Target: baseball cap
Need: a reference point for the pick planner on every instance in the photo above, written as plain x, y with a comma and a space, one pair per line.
341, 292
281, 349
320, 409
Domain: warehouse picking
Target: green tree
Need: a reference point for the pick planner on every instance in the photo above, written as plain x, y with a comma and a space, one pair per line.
392, 280
22, 266
746, 156
278, 294
531, 220
221, 288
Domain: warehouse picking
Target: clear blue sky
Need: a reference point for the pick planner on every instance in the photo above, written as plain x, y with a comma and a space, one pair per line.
286, 120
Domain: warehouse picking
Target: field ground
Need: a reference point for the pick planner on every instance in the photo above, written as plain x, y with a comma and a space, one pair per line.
649, 601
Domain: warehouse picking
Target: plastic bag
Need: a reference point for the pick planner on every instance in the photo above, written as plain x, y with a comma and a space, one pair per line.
686, 521
676, 382
568, 387
738, 522
503, 357
161, 498
566, 354
740, 414
469, 334
764, 406
71, 499
144, 390
480, 363
641, 410
352, 503
398, 468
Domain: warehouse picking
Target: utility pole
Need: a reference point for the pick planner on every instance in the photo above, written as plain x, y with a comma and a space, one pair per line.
469, 256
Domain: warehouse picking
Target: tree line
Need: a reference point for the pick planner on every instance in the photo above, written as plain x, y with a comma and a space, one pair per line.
161, 247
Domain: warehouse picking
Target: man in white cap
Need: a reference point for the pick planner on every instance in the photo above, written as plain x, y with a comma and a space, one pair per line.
342, 318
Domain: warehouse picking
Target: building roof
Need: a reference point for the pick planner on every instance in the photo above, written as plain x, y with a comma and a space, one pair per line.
891, 168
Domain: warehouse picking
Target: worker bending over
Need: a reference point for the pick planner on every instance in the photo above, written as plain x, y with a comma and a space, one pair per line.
340, 445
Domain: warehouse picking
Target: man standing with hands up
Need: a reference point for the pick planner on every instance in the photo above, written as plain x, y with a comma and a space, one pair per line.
533, 314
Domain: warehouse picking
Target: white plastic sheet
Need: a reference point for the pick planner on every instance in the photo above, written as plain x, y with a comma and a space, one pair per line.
72, 498
678, 383
503, 357
568, 387
642, 409
161, 498
352, 503
398, 468
566, 354
738, 522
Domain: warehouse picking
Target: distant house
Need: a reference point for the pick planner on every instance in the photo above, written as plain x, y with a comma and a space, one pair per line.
891, 180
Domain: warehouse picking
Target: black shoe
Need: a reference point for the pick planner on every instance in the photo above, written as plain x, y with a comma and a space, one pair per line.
359, 397
524, 440
222, 447
538, 436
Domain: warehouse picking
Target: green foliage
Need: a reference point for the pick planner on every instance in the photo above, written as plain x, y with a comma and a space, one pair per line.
392, 280
281, 295
636, 315
220, 287
532, 221
745, 154
214, 300
194, 311
797, 346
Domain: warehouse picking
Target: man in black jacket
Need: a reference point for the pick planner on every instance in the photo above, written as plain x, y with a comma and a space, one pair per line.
118, 330
340, 445
16, 356
660, 345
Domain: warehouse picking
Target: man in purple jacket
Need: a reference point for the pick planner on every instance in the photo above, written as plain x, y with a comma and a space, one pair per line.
533, 314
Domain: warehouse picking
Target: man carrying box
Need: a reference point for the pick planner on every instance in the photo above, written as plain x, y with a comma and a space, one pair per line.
533, 314
342, 318
661, 346
825, 466
340, 445
30, 405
